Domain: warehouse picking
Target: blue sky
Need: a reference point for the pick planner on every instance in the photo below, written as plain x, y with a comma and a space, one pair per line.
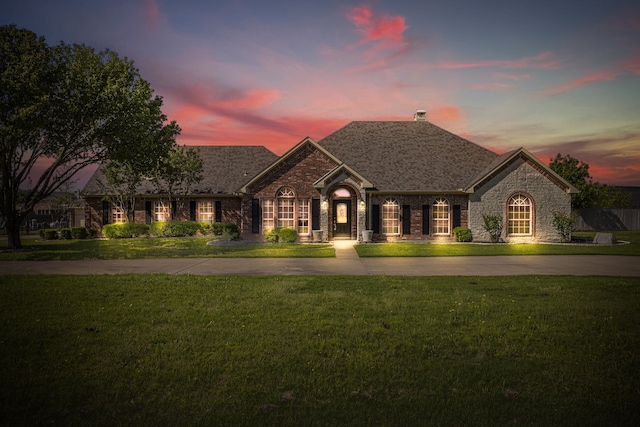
551, 76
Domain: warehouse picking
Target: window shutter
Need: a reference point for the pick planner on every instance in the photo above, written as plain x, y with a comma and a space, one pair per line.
456, 216
174, 210
192, 210
375, 218
406, 219
105, 212
218, 211
315, 214
426, 219
255, 216
147, 213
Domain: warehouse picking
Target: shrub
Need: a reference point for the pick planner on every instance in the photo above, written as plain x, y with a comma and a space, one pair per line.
287, 235
175, 229
65, 233
93, 233
79, 233
124, 230
49, 233
230, 232
564, 225
462, 234
493, 225
271, 235
206, 228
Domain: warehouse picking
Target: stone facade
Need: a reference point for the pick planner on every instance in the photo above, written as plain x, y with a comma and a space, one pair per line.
521, 176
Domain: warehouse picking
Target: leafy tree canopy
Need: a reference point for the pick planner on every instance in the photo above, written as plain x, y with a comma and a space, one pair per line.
67, 107
592, 194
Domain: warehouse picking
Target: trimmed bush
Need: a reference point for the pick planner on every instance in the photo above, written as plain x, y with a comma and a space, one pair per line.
462, 234
174, 229
79, 233
65, 233
124, 230
287, 235
49, 233
230, 232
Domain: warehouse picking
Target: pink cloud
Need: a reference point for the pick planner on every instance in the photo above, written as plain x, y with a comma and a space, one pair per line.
152, 16
377, 27
494, 87
544, 60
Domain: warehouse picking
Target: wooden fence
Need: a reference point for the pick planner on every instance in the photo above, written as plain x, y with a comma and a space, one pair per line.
608, 219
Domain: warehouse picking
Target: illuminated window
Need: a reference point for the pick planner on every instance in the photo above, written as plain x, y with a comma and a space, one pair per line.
161, 211
390, 217
118, 215
519, 214
441, 216
286, 208
205, 211
267, 214
303, 216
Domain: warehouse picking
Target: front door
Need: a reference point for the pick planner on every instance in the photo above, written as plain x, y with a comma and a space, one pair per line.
342, 219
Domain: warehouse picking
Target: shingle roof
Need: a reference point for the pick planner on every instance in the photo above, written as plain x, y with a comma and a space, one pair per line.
408, 155
226, 169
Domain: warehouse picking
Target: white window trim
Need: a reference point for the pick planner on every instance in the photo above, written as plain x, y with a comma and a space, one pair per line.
388, 203
440, 222
206, 211
514, 203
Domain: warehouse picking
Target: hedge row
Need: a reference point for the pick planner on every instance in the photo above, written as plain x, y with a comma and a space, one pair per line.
66, 233
171, 229
281, 235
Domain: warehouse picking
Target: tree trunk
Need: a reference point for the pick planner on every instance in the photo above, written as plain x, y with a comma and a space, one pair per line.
13, 234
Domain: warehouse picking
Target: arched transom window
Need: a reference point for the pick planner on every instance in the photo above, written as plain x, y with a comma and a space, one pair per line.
286, 211
519, 214
441, 216
286, 208
390, 217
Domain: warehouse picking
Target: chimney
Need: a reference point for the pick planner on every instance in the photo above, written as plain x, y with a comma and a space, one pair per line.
420, 115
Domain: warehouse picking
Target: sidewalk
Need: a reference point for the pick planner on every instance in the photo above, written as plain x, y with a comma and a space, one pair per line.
346, 262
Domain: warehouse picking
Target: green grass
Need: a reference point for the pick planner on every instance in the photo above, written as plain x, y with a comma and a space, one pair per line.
178, 247
407, 249
310, 350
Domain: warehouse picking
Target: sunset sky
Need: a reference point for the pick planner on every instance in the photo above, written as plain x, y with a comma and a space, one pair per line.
552, 76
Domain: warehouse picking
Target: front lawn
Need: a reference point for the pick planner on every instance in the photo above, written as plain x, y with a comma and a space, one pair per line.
311, 350
407, 249
174, 247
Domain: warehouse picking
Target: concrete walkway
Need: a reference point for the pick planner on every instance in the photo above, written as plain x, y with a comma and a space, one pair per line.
346, 262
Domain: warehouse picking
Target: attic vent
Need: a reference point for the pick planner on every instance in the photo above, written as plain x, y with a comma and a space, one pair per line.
420, 115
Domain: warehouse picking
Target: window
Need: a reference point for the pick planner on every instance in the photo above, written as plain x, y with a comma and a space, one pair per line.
519, 214
441, 216
303, 217
161, 211
118, 216
205, 211
267, 215
286, 208
390, 217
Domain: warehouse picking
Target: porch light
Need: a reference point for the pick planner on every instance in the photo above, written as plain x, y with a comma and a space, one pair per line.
325, 204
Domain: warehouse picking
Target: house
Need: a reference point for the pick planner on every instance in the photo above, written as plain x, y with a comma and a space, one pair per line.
402, 180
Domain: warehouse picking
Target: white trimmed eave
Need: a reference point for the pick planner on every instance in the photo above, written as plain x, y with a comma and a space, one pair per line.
568, 187
326, 179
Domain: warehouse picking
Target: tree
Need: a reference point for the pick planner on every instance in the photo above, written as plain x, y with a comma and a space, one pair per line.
67, 107
592, 194
177, 172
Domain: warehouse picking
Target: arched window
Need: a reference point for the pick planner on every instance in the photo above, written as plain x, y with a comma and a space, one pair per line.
441, 216
390, 217
519, 214
286, 208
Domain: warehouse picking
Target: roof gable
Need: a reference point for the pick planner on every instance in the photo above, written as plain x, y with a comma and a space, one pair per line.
226, 169
408, 155
503, 161
285, 157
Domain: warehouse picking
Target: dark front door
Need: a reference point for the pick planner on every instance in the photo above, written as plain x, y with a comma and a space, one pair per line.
342, 218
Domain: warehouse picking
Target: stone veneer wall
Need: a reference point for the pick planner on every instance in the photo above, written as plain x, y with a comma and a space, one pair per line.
521, 176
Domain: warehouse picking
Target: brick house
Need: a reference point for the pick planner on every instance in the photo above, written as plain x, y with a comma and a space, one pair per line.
401, 180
